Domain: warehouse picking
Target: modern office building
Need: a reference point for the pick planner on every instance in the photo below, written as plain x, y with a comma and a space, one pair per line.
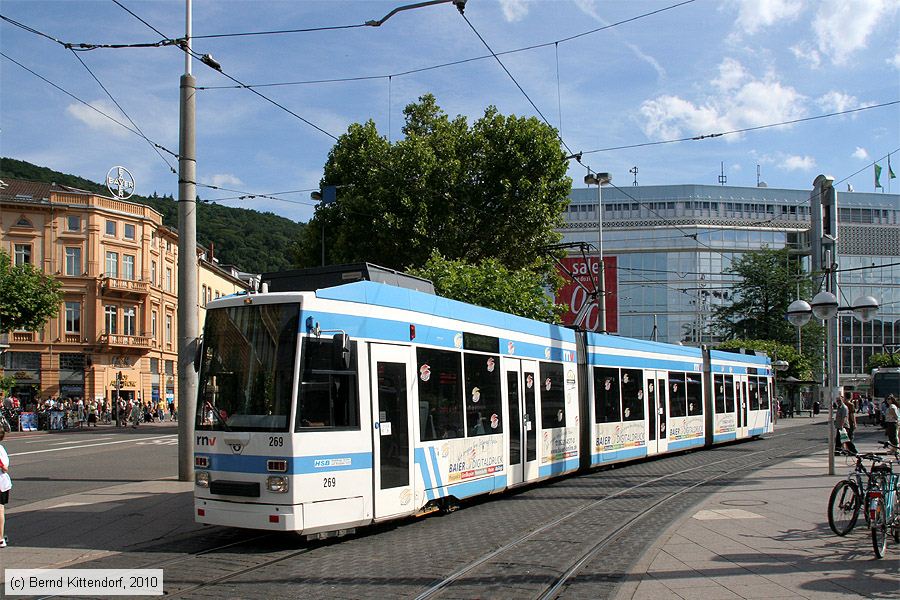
118, 267
671, 244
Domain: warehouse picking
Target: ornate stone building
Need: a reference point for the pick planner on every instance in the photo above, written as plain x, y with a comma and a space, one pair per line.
117, 264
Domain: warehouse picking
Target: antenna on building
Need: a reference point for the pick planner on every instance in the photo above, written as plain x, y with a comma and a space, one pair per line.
759, 183
634, 171
722, 178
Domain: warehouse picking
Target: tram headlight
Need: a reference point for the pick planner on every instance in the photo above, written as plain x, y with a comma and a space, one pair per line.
277, 484
201, 478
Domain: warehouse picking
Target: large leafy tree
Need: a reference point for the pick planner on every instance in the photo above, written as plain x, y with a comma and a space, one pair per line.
768, 283
28, 297
490, 192
490, 284
769, 280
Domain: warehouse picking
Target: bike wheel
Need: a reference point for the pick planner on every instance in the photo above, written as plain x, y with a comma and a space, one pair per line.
843, 507
879, 529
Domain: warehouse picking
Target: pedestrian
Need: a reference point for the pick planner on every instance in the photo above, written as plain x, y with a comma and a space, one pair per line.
851, 418
841, 417
890, 422
5, 486
135, 415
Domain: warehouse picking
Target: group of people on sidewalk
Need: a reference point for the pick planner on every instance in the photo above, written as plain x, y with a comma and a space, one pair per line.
845, 422
56, 413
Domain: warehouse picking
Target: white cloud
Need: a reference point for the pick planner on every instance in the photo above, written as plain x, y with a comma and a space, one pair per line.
731, 75
804, 52
837, 102
514, 10
222, 180
842, 27
860, 153
894, 61
756, 14
743, 102
97, 121
797, 163
591, 8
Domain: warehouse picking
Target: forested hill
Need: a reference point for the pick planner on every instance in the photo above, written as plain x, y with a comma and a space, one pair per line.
251, 240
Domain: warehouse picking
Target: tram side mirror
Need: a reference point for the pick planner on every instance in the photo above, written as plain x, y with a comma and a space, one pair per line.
198, 355
341, 349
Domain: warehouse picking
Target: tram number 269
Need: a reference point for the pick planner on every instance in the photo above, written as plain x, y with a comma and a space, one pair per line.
276, 440
329, 482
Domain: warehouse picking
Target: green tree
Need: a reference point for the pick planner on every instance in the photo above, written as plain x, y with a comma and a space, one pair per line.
494, 190
883, 359
28, 298
800, 366
492, 285
768, 283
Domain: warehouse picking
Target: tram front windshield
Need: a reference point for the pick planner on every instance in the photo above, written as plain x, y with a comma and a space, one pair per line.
247, 368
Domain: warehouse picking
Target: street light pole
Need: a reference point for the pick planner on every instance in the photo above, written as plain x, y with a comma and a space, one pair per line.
599, 179
188, 323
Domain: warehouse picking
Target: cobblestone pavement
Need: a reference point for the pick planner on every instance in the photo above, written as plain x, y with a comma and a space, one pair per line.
402, 560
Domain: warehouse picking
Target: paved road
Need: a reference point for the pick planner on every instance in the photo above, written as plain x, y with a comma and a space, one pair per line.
115, 520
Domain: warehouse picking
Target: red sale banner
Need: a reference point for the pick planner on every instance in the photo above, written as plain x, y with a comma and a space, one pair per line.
576, 296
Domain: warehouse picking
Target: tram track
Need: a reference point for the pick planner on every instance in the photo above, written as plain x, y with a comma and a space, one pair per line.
553, 590
603, 516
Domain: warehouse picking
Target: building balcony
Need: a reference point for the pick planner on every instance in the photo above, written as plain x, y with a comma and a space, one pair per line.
114, 340
112, 286
22, 336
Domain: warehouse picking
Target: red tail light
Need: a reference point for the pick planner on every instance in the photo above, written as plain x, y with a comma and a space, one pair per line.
273, 518
201, 512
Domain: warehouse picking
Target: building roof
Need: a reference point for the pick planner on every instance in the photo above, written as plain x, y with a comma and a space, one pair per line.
23, 189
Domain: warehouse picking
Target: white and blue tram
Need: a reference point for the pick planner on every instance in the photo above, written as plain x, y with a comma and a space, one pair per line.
322, 411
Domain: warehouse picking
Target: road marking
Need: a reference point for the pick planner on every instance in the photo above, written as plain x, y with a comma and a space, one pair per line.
172, 442
75, 442
91, 445
725, 513
44, 439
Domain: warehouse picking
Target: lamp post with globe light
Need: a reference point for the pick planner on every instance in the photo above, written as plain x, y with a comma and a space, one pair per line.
825, 306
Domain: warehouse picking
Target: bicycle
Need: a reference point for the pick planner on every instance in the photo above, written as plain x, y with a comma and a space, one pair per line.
881, 499
847, 496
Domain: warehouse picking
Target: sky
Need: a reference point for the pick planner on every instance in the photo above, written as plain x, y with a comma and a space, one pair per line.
615, 77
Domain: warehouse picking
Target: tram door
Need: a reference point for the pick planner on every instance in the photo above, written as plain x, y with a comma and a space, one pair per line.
392, 448
742, 405
657, 433
521, 383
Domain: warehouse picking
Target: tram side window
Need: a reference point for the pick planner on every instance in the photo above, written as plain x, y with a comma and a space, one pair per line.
553, 396
764, 393
606, 395
719, 390
694, 394
677, 395
483, 402
440, 394
633, 394
754, 393
328, 391
729, 393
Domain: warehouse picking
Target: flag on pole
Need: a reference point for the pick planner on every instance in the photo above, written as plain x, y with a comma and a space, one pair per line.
890, 170
877, 175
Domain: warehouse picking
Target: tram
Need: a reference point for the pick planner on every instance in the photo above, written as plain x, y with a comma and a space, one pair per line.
323, 408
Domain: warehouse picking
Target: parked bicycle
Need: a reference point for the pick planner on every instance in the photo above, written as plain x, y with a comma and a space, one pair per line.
882, 500
848, 494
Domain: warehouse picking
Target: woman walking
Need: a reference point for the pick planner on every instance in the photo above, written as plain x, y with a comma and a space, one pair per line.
5, 486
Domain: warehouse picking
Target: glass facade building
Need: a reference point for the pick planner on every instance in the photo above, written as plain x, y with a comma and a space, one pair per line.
672, 244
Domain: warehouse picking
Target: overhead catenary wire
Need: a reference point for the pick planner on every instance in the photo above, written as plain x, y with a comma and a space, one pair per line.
89, 105
127, 116
455, 63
